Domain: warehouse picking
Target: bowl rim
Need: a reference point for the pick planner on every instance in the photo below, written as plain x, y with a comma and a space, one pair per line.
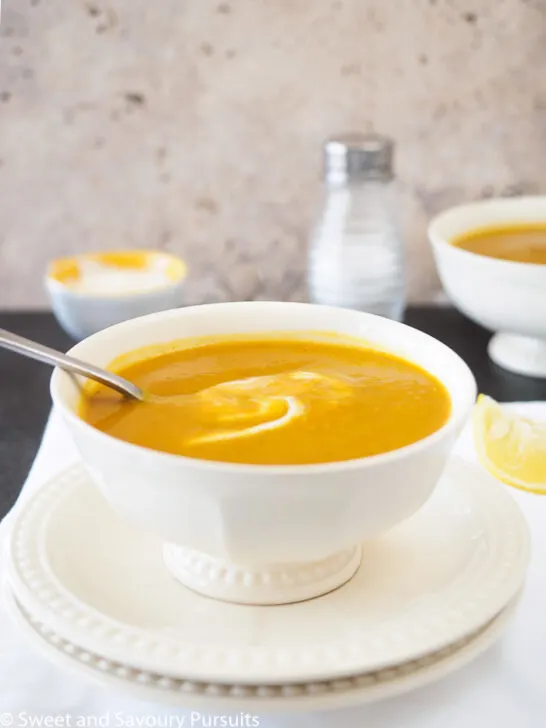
55, 286
453, 422
439, 241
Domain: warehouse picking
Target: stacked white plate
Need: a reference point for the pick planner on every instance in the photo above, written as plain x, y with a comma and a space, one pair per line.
94, 594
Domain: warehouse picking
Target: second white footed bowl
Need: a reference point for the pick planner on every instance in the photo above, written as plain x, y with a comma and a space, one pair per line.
506, 297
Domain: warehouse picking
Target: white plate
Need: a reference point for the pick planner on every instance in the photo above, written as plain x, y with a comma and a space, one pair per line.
101, 584
262, 699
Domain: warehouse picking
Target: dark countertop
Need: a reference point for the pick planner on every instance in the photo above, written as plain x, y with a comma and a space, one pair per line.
24, 384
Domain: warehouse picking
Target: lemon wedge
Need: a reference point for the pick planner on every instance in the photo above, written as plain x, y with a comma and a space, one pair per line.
512, 448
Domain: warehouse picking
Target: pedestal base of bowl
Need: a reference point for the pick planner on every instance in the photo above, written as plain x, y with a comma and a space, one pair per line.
260, 585
519, 354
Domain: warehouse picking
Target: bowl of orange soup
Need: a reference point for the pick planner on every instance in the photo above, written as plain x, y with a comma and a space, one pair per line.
491, 259
92, 291
273, 440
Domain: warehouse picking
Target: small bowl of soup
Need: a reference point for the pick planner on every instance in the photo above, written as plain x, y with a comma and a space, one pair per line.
273, 440
92, 291
491, 259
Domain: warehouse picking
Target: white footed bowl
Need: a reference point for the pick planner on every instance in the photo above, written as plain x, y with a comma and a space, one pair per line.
258, 533
506, 297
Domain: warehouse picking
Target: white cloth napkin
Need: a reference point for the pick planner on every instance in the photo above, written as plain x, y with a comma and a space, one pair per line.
501, 689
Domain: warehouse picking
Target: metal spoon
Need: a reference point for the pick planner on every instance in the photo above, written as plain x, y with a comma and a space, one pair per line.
33, 350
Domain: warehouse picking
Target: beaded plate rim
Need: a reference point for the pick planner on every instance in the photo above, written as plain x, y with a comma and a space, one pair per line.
305, 696
475, 597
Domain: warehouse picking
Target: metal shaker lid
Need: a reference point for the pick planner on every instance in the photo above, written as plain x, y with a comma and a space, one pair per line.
358, 156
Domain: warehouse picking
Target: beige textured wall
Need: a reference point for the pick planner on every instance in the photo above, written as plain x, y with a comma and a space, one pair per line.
196, 125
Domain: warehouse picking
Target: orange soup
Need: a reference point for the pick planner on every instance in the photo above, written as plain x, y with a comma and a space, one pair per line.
281, 401
521, 243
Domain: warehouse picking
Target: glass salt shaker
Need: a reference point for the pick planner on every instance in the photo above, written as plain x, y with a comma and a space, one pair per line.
356, 255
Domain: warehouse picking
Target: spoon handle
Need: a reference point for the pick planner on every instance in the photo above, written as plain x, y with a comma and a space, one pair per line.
42, 353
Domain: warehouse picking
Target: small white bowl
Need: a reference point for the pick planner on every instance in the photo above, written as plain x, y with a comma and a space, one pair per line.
503, 296
262, 533
92, 291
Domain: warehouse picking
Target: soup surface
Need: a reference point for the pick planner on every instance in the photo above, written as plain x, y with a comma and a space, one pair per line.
271, 401
520, 243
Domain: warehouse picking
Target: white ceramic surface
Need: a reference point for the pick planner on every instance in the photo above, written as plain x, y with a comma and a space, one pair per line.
83, 314
261, 699
262, 584
100, 583
289, 518
503, 296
